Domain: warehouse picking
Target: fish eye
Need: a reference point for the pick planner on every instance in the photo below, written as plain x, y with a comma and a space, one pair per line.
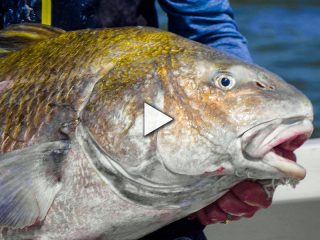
224, 81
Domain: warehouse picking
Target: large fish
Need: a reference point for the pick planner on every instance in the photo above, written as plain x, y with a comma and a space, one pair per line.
74, 163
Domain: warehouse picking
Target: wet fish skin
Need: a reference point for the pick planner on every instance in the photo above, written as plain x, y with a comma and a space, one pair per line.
81, 94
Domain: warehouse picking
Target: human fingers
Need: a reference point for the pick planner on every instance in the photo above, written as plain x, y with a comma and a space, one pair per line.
230, 204
253, 194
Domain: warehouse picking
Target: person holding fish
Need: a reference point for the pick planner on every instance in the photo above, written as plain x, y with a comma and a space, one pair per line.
207, 21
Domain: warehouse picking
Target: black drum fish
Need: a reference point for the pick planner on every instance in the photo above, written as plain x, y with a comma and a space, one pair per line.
74, 163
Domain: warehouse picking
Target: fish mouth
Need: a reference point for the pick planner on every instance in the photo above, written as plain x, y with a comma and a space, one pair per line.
274, 143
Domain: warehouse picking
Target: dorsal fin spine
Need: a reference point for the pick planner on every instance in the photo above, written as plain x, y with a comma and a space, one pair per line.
16, 37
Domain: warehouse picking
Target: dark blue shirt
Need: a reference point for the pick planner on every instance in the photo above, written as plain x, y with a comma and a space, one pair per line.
207, 21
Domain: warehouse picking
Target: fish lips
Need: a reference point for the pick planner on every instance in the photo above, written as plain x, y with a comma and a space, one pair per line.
273, 143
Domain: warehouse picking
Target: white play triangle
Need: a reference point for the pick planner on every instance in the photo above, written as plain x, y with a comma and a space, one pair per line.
153, 119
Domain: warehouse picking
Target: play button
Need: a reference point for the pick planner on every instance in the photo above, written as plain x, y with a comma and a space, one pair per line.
153, 119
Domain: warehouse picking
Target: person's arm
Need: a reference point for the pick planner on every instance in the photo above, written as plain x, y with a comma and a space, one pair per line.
207, 21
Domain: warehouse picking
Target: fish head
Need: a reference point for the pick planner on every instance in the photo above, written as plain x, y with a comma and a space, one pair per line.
230, 117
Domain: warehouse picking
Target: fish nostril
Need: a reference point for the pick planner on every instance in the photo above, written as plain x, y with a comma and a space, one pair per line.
271, 87
264, 86
261, 85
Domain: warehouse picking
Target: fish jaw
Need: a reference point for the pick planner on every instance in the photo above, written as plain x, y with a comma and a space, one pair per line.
268, 149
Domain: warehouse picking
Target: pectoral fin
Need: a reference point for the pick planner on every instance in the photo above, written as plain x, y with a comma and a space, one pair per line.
29, 182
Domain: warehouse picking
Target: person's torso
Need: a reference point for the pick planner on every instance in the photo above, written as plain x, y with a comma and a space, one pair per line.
78, 14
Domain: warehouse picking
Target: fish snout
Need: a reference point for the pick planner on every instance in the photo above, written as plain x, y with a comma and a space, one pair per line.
300, 103
282, 100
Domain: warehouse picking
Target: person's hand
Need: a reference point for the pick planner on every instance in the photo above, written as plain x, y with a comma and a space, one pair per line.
243, 200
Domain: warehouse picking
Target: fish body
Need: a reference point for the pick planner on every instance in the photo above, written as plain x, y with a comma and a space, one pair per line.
74, 163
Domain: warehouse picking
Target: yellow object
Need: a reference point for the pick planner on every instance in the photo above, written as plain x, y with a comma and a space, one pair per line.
46, 12
229, 219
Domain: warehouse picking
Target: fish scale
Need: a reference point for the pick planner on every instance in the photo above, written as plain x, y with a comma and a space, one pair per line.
26, 87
